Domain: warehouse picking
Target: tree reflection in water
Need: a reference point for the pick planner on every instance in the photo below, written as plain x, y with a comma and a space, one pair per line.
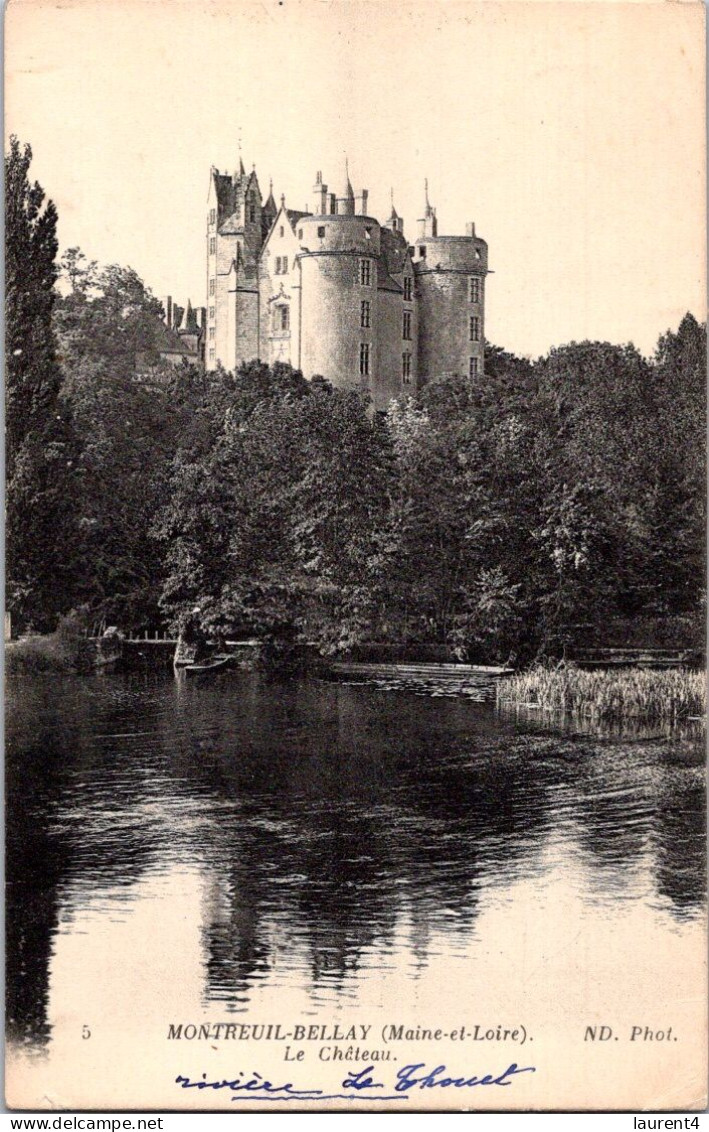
322, 817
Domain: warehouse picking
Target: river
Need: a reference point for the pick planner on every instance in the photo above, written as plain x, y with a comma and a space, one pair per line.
182, 851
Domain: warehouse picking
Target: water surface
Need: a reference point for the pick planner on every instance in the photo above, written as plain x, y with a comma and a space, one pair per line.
312, 840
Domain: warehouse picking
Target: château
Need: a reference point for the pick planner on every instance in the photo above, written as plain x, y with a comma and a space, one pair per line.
334, 292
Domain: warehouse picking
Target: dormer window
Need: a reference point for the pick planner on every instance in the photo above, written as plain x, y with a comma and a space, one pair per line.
252, 214
281, 231
408, 288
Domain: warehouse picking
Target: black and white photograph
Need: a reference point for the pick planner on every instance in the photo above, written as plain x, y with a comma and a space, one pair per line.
355, 606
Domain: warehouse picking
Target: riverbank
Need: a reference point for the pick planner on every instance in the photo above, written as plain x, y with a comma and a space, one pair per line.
40, 654
631, 693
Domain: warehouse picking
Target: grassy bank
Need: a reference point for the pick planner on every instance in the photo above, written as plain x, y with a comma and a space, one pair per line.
629, 693
39, 654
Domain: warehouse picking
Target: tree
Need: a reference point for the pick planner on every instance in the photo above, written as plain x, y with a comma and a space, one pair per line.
282, 527
108, 327
39, 443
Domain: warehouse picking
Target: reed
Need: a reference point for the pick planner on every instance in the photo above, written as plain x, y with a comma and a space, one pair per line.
629, 693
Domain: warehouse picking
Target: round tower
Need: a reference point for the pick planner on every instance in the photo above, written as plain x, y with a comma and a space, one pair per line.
339, 265
450, 281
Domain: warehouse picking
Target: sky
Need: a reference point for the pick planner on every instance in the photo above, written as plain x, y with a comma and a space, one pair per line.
571, 133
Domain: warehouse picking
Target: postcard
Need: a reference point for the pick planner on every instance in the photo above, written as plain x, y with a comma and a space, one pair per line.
355, 514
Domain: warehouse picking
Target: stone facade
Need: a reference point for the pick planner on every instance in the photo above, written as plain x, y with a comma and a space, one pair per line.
334, 292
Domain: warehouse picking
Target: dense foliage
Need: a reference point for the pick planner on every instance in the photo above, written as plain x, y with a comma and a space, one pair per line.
38, 439
490, 517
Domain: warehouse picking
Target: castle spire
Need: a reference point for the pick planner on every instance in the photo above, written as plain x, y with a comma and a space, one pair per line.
345, 197
394, 222
428, 224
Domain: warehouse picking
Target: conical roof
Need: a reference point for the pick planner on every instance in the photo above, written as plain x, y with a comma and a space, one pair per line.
346, 192
394, 214
188, 323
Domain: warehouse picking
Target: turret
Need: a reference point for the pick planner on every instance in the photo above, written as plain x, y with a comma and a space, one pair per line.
428, 224
394, 222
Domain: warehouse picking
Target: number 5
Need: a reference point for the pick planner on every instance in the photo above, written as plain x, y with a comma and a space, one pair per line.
85, 1032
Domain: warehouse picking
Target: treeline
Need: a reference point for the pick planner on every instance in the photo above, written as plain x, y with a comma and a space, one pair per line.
488, 517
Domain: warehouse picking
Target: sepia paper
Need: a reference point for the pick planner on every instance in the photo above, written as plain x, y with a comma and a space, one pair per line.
532, 932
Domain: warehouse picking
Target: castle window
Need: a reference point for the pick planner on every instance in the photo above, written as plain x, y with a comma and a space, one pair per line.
474, 290
474, 328
281, 231
212, 215
473, 371
367, 233
422, 252
284, 318
212, 245
406, 367
366, 314
408, 288
300, 233
211, 312
364, 359
477, 253
321, 233
211, 354
211, 286
406, 332
211, 332
365, 272
252, 214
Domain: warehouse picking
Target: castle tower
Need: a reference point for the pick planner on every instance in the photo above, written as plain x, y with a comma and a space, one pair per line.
450, 281
235, 235
339, 271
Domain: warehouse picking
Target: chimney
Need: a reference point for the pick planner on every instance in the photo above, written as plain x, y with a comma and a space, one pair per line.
320, 196
470, 230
